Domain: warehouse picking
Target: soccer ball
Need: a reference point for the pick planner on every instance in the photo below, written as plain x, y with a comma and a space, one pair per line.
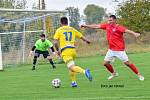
56, 83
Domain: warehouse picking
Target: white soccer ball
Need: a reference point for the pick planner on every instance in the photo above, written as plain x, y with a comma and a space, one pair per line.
56, 83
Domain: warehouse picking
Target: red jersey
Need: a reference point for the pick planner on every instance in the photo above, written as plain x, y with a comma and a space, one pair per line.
114, 36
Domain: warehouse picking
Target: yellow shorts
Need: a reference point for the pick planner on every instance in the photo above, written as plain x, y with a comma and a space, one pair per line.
69, 54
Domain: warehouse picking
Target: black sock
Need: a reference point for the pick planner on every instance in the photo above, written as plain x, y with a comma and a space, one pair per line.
34, 61
51, 62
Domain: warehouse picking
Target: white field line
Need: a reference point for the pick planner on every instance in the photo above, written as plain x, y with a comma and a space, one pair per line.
101, 98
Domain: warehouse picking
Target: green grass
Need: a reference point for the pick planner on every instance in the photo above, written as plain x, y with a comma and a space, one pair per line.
21, 83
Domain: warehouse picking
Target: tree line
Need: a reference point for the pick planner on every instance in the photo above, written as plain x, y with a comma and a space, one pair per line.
134, 14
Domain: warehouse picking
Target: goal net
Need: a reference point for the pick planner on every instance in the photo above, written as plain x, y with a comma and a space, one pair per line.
19, 30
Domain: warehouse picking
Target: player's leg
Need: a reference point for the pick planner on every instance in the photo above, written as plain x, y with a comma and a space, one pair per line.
51, 62
72, 73
108, 66
123, 56
134, 69
73, 79
34, 62
108, 58
68, 57
47, 55
110, 69
86, 71
36, 55
77, 69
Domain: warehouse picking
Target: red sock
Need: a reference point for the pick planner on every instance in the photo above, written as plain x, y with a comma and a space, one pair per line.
109, 68
133, 68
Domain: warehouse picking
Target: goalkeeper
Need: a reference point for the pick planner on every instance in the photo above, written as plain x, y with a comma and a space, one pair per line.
41, 47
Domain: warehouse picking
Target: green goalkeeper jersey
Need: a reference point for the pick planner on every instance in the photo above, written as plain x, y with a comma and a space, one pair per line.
43, 46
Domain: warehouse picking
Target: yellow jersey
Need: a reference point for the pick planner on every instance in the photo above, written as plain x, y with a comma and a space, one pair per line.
66, 36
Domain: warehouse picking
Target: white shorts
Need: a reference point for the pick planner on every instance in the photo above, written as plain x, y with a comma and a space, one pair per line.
111, 55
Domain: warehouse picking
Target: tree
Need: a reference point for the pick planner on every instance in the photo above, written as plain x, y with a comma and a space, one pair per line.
19, 4
74, 17
94, 13
135, 14
7, 3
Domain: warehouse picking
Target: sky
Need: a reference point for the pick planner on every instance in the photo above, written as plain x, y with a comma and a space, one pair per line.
81, 4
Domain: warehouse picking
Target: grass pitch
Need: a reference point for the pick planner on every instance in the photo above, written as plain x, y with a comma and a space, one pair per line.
21, 83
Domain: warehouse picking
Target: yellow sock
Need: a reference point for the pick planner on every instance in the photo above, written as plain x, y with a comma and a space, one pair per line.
78, 69
73, 76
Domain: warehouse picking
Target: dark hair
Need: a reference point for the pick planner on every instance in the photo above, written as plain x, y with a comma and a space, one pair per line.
64, 20
42, 35
113, 16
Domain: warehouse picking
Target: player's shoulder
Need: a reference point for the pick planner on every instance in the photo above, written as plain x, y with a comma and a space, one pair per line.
104, 24
64, 28
120, 26
71, 28
48, 42
74, 29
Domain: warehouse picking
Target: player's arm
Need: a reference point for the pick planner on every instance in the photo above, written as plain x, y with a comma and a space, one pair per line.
34, 47
85, 39
94, 26
132, 32
51, 47
56, 44
80, 36
52, 50
32, 50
